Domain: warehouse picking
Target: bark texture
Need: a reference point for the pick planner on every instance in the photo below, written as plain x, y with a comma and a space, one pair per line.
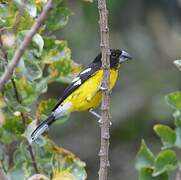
105, 125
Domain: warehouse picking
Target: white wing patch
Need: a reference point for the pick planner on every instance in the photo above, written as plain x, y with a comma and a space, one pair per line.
62, 110
85, 71
77, 82
75, 79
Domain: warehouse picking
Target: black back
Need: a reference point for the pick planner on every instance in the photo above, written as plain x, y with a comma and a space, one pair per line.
82, 77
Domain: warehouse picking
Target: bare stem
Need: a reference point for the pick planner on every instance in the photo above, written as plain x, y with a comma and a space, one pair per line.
105, 135
30, 149
20, 51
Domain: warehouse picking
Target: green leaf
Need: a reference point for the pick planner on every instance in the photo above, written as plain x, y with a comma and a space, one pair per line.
144, 158
67, 162
28, 91
146, 174
60, 15
33, 70
16, 172
167, 135
4, 14
174, 100
11, 101
29, 65
10, 97
21, 154
45, 108
9, 13
56, 50
13, 124
11, 129
165, 161
38, 44
6, 137
29, 6
178, 64
59, 69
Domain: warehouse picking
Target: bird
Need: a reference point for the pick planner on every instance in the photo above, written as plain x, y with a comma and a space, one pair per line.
84, 93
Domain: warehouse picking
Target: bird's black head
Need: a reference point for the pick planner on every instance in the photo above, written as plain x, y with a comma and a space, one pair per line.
116, 58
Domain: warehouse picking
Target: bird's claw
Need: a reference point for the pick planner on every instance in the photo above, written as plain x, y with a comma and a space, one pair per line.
103, 88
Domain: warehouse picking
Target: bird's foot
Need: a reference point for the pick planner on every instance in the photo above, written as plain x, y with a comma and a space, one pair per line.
102, 88
98, 116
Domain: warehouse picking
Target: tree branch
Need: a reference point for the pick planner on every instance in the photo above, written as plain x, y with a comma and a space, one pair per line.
20, 51
30, 149
105, 135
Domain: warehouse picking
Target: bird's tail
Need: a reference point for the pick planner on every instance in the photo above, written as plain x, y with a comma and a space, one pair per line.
60, 111
42, 127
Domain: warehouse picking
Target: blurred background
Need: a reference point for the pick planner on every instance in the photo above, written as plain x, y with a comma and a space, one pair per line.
150, 30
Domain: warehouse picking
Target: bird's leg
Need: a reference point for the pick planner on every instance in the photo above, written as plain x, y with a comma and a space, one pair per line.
96, 115
102, 88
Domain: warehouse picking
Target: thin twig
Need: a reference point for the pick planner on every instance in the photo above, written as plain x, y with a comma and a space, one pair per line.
30, 149
20, 51
105, 135
19, 100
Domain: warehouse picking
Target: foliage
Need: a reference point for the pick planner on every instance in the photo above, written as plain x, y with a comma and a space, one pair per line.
46, 60
151, 167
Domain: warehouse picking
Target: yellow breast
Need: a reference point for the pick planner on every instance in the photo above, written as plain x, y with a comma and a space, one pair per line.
88, 95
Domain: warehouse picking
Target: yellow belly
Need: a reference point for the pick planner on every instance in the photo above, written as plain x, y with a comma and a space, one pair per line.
88, 95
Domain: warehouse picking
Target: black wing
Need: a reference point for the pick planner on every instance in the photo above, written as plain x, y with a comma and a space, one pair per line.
78, 81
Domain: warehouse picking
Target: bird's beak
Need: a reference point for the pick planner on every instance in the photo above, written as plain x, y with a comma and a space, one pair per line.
124, 57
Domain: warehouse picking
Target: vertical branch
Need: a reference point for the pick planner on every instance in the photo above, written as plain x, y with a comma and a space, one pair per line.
104, 149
